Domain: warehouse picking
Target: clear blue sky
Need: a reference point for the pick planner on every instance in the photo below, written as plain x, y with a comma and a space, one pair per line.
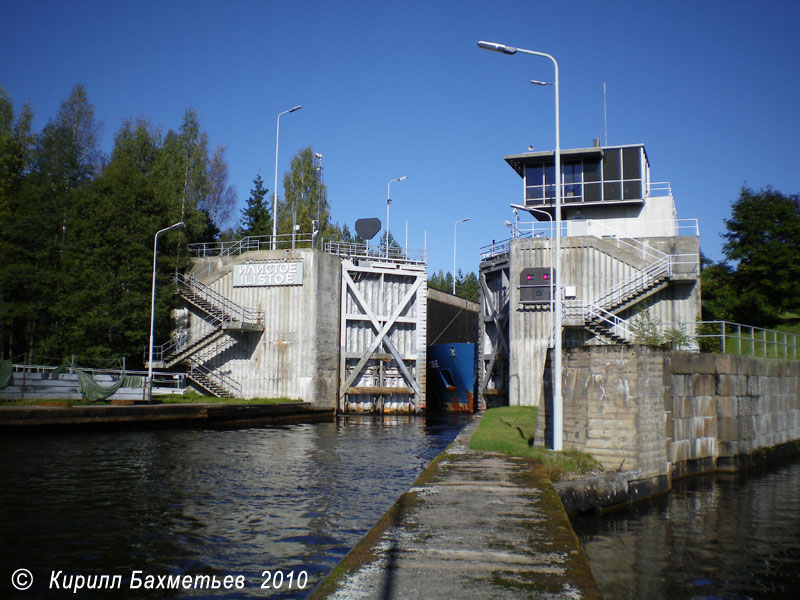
400, 88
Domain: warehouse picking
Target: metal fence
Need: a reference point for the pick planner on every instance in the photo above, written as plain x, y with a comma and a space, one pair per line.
377, 252
746, 340
161, 379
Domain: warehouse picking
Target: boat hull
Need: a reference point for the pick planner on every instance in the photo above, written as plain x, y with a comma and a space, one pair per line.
451, 374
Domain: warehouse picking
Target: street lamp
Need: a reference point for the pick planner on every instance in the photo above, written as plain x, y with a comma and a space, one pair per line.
275, 187
315, 224
388, 203
178, 225
454, 251
558, 409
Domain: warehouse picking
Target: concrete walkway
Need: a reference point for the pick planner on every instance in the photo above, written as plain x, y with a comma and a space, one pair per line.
474, 525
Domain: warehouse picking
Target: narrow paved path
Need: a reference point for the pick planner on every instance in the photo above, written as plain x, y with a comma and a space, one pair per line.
475, 525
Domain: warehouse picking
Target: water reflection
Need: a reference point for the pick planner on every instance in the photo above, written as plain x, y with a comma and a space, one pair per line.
225, 502
722, 536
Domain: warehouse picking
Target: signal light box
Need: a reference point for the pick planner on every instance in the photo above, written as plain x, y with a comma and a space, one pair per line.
535, 285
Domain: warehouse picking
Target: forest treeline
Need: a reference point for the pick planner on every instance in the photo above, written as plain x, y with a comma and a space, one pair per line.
77, 226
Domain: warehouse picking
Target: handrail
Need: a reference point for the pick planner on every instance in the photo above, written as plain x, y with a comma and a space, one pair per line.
614, 295
638, 245
682, 227
229, 309
226, 382
159, 352
377, 252
747, 340
582, 310
249, 243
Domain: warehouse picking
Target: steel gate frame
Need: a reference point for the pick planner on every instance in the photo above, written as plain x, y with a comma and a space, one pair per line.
383, 324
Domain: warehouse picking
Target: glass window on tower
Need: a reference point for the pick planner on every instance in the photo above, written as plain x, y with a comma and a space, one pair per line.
572, 181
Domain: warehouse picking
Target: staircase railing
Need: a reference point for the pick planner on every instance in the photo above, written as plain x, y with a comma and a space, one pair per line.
176, 344
591, 312
606, 232
229, 311
224, 382
658, 268
639, 282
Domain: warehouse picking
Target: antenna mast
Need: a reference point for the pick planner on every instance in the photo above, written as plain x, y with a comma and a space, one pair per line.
605, 116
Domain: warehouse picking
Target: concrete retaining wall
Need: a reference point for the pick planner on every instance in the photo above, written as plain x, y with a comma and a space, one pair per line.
671, 414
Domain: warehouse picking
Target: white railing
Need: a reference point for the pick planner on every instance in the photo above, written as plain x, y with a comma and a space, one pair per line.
735, 338
658, 189
250, 243
377, 252
163, 379
229, 310
574, 227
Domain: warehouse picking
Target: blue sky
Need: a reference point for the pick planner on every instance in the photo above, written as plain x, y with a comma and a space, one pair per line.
400, 88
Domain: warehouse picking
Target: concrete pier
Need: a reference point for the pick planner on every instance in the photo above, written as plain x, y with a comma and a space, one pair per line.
474, 525
153, 415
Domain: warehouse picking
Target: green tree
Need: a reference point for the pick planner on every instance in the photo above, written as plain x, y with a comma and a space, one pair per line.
110, 252
256, 216
718, 294
305, 197
763, 240
467, 286
16, 146
220, 197
64, 158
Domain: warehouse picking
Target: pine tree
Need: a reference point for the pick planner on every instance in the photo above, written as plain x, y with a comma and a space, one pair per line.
256, 217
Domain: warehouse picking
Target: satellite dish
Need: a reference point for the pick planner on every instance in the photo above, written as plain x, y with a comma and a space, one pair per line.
368, 228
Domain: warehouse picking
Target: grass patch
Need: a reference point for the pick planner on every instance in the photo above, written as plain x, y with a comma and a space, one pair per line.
195, 398
511, 429
188, 398
44, 402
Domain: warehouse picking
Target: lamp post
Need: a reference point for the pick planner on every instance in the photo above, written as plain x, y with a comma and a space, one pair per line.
315, 224
454, 251
388, 203
558, 430
178, 225
275, 187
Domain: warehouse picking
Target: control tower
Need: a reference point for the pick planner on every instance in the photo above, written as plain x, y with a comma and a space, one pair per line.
625, 258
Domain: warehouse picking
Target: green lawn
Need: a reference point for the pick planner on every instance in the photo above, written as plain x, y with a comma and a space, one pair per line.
511, 429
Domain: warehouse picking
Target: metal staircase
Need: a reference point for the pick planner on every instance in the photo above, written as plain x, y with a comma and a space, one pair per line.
599, 315
216, 383
221, 311
224, 317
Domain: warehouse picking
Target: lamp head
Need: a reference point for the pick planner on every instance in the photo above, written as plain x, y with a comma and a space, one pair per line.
495, 47
178, 225
298, 107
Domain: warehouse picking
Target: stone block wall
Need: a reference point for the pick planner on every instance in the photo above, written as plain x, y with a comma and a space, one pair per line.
613, 407
674, 413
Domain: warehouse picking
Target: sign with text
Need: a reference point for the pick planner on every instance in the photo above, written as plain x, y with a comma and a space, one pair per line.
268, 274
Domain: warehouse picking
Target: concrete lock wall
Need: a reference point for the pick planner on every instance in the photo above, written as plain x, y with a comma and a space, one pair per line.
674, 413
591, 265
297, 354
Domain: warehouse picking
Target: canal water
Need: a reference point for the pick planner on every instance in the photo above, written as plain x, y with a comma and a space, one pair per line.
276, 506
718, 536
